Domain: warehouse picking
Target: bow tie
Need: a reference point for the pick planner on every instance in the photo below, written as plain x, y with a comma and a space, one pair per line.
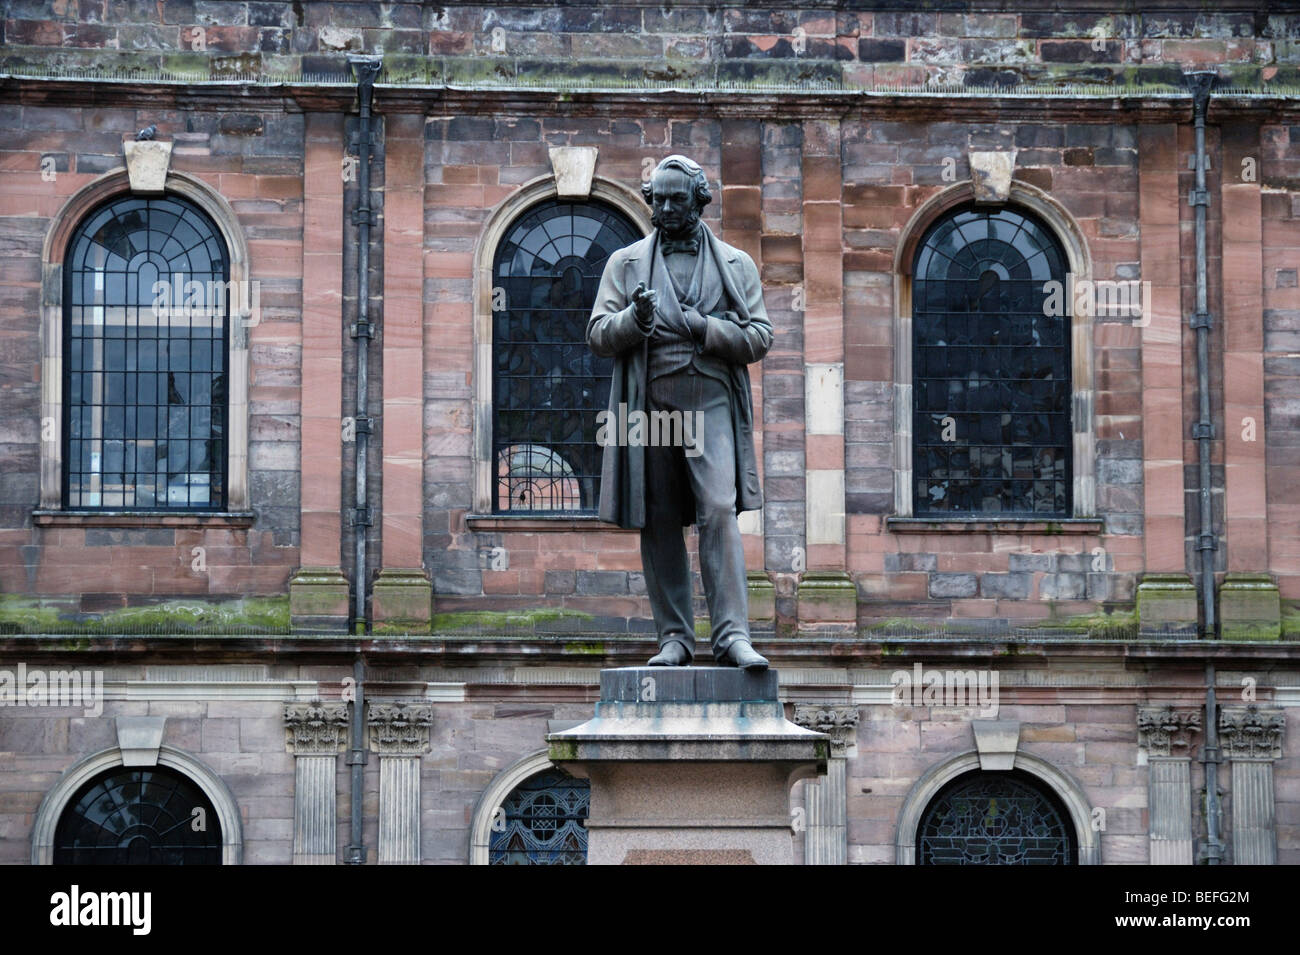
691, 245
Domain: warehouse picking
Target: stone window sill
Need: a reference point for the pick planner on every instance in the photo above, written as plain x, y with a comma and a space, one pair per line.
1006, 525
534, 523
137, 519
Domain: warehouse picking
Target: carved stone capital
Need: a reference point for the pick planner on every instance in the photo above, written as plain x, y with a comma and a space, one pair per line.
1251, 732
838, 721
316, 729
399, 729
1167, 730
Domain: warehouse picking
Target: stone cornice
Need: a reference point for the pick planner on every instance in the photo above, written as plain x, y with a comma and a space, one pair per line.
597, 649
1168, 730
399, 729
1251, 732
941, 105
316, 729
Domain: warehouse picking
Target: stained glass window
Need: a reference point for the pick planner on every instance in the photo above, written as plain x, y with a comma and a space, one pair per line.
151, 816
542, 822
547, 386
144, 358
991, 368
987, 818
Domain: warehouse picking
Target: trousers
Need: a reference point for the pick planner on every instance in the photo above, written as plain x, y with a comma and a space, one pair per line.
710, 475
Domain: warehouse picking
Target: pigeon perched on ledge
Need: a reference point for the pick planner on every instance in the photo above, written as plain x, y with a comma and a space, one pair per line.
146, 134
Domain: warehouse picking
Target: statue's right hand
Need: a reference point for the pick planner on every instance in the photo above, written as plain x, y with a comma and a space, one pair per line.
644, 300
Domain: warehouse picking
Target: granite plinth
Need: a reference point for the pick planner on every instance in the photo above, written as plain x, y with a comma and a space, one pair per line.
689, 765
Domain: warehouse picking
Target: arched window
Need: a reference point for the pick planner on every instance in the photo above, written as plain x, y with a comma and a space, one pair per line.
988, 818
547, 387
542, 822
146, 336
153, 816
991, 368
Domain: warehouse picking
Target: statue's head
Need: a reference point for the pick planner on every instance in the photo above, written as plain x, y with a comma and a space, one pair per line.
677, 193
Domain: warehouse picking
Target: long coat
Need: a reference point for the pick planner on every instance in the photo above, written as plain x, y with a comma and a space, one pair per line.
612, 332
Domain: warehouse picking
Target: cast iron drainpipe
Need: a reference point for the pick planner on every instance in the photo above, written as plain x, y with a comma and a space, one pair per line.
356, 850
1202, 82
1212, 850
366, 69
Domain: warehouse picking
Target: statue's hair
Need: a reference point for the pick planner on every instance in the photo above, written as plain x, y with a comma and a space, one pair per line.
699, 182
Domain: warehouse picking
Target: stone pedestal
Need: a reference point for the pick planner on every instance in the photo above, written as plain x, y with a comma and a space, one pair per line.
318, 600
1167, 605
762, 598
401, 600
1250, 608
827, 596
689, 765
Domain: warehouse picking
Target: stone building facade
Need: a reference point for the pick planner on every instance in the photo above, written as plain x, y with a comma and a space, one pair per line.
840, 140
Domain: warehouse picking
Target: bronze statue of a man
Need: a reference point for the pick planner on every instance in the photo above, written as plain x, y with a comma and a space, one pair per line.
682, 314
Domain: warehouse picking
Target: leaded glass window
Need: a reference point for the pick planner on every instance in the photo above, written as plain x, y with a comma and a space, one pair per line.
547, 386
151, 816
543, 822
991, 364
987, 818
144, 358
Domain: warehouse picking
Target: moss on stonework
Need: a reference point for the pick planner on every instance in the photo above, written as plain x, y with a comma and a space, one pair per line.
563, 749
594, 649
894, 624
498, 621
20, 614
1121, 625
1291, 620
409, 68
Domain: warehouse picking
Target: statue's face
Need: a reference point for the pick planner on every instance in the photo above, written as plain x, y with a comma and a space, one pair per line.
672, 202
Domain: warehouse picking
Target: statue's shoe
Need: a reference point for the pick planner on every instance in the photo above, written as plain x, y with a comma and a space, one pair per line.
671, 654
742, 654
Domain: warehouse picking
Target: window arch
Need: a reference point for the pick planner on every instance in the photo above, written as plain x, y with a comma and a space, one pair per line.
547, 386
542, 822
145, 344
992, 371
996, 818
56, 256
138, 816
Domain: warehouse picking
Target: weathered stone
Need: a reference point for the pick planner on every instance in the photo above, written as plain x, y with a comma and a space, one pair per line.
1166, 603
827, 597
1008, 586
991, 174
952, 585
762, 597
146, 165
402, 598
725, 730
1249, 607
318, 599
573, 167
